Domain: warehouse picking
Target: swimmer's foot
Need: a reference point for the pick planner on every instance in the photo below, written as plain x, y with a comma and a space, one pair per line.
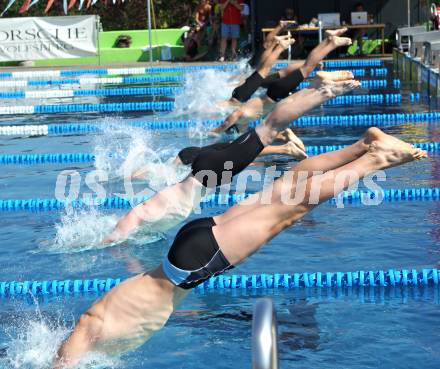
339, 41
340, 75
282, 37
332, 89
227, 103
388, 151
294, 151
335, 32
284, 41
288, 136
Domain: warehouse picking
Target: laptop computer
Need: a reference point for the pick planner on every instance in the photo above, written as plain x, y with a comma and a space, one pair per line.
359, 18
330, 19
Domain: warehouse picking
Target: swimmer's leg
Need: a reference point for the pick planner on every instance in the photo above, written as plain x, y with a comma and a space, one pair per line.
243, 235
271, 36
292, 76
298, 104
318, 54
179, 198
244, 92
272, 52
308, 167
288, 136
288, 148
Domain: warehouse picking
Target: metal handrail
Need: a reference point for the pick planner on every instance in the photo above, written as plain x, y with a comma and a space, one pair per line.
264, 335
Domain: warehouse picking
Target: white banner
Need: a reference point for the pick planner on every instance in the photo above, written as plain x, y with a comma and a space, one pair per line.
47, 38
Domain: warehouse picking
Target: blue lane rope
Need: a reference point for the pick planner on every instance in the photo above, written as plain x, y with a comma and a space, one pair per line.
367, 83
173, 68
357, 72
378, 72
404, 277
164, 91
75, 108
354, 63
55, 158
357, 63
93, 81
116, 71
63, 158
110, 107
345, 120
377, 99
145, 79
381, 278
365, 120
414, 97
346, 197
382, 120
161, 90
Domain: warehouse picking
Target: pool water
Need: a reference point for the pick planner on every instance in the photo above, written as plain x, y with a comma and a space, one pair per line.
318, 328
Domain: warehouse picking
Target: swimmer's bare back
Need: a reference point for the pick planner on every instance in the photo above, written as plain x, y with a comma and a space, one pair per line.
124, 318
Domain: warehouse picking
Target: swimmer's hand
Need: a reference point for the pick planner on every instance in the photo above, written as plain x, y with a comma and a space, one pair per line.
141, 173
108, 240
115, 236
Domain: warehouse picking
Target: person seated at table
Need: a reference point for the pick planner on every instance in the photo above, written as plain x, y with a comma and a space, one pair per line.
357, 35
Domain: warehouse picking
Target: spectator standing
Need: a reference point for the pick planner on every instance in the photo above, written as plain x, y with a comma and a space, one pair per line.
203, 14
216, 20
230, 29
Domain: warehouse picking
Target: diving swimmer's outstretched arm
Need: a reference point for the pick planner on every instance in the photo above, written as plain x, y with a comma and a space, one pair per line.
177, 200
230, 120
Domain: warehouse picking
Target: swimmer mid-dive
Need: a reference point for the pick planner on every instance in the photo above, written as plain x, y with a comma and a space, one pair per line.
172, 205
260, 77
282, 84
130, 313
292, 146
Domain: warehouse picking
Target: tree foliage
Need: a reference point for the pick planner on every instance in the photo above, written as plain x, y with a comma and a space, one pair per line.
131, 14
